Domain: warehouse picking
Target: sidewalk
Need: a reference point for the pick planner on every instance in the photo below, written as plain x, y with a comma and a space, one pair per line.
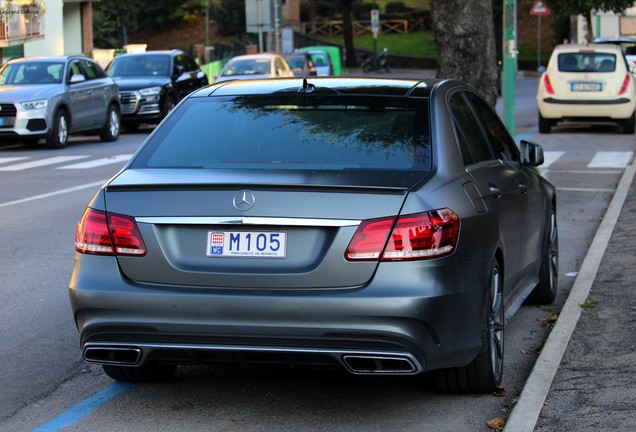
593, 386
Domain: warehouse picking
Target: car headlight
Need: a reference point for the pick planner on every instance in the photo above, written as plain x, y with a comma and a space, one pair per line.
36, 104
150, 91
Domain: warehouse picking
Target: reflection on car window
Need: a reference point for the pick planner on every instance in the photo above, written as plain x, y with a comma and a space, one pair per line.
472, 141
31, 73
501, 142
271, 133
587, 62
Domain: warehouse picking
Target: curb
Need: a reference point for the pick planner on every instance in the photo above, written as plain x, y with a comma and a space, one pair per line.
526, 411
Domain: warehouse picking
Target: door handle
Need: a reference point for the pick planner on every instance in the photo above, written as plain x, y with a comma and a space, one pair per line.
523, 188
495, 191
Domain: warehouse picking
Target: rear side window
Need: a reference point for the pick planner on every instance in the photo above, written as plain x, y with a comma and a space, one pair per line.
292, 133
472, 141
587, 62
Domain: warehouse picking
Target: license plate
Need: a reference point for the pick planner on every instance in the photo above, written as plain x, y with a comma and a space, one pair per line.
586, 86
247, 244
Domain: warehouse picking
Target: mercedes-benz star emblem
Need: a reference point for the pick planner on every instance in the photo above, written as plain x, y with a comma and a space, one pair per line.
243, 200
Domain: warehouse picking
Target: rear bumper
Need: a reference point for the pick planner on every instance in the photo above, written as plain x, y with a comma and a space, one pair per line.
421, 321
615, 109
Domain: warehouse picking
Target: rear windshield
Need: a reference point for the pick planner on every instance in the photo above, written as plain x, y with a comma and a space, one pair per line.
291, 133
587, 62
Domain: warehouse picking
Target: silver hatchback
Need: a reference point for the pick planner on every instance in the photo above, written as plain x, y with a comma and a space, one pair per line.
52, 97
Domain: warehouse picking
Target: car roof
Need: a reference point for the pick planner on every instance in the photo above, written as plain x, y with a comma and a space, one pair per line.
581, 48
615, 39
153, 52
46, 58
324, 85
255, 56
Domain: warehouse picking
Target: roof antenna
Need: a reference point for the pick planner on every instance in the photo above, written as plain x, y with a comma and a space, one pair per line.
307, 87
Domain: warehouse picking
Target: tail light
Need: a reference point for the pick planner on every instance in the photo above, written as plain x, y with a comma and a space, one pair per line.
104, 233
547, 84
625, 85
426, 235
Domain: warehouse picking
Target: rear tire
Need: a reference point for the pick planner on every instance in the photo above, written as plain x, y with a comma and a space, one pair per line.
629, 125
546, 290
545, 125
484, 373
151, 372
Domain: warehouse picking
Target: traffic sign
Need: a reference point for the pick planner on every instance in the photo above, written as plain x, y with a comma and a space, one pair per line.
539, 8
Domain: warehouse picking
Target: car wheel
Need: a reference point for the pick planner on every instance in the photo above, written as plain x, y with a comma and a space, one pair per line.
545, 125
110, 131
151, 372
169, 105
546, 289
484, 373
629, 125
59, 134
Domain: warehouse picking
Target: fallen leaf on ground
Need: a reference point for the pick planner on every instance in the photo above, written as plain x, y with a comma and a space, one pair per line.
497, 424
500, 392
548, 320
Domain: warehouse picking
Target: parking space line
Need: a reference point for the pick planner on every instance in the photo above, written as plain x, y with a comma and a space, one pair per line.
611, 159
84, 408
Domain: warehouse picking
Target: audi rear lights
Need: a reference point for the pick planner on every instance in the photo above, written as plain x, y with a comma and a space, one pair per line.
431, 234
104, 233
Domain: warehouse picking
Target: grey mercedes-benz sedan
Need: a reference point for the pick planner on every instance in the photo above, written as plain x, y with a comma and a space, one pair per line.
385, 226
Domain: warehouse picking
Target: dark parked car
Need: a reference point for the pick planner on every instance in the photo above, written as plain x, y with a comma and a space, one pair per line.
389, 227
151, 83
301, 64
53, 97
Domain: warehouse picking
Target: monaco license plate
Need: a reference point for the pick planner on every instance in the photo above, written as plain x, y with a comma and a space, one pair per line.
247, 244
586, 86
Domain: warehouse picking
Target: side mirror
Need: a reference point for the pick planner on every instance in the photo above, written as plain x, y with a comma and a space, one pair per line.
531, 153
77, 78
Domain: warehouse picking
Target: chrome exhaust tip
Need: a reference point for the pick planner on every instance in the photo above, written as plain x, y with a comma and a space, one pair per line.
361, 364
126, 356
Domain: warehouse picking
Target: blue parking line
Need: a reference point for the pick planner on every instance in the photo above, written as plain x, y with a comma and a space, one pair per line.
84, 408
527, 135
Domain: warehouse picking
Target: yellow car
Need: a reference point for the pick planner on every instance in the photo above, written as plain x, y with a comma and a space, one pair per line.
587, 83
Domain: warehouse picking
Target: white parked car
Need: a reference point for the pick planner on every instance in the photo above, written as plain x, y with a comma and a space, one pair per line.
587, 83
255, 66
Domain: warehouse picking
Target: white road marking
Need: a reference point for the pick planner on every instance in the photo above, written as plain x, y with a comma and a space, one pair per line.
41, 162
98, 162
12, 159
611, 159
54, 193
551, 157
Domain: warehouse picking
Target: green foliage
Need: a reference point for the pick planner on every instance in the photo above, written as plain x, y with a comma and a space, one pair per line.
113, 16
104, 31
230, 17
584, 7
396, 7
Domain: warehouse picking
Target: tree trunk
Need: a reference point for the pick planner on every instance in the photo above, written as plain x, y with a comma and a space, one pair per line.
590, 29
464, 35
350, 54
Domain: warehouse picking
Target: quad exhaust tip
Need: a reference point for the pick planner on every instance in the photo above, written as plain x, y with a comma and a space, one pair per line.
125, 356
379, 364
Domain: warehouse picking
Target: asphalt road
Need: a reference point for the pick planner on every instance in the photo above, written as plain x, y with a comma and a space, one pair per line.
44, 380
